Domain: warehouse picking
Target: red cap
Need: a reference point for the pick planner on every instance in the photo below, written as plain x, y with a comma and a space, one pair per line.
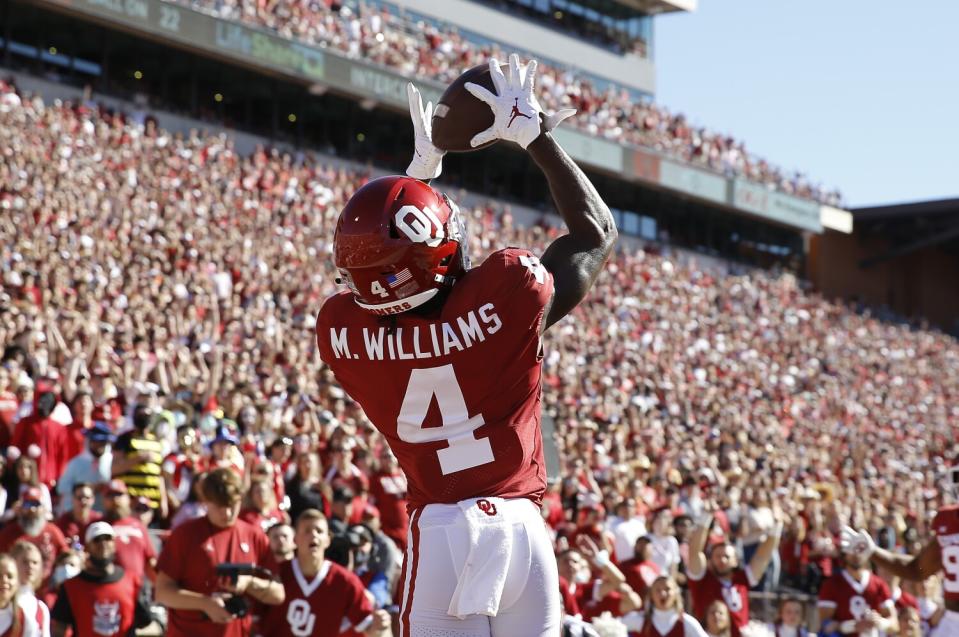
32, 494
115, 486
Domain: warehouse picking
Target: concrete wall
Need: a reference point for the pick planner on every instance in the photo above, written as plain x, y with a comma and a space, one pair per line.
924, 283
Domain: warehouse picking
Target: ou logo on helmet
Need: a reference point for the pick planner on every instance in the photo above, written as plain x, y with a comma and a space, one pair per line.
418, 225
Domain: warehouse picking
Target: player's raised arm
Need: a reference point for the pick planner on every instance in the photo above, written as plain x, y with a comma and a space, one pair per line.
576, 258
909, 567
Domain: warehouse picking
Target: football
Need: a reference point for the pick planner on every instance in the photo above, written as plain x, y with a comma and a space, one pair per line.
459, 115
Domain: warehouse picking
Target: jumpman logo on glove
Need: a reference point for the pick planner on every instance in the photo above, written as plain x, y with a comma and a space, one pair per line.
516, 112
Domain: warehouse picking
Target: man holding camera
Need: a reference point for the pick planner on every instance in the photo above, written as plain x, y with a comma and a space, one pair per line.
202, 603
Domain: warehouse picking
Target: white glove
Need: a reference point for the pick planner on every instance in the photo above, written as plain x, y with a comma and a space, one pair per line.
856, 542
515, 109
427, 160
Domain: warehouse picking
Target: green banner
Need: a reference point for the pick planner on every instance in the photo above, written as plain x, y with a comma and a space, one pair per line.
776, 206
692, 181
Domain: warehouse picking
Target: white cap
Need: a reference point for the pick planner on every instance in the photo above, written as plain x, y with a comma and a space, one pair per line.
97, 529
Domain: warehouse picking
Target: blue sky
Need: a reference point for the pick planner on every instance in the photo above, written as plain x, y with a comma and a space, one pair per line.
857, 94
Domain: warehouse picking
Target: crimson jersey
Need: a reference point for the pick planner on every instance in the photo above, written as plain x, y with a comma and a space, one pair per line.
456, 394
323, 607
946, 527
852, 599
98, 606
734, 592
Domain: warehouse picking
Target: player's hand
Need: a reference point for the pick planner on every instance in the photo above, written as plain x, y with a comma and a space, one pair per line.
427, 160
216, 612
856, 542
516, 112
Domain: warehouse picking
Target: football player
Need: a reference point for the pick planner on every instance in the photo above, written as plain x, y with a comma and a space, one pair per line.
446, 361
939, 555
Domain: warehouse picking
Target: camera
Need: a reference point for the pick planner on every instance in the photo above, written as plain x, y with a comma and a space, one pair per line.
236, 606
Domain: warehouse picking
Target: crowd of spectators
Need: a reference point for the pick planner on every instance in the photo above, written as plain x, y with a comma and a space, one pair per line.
418, 48
157, 308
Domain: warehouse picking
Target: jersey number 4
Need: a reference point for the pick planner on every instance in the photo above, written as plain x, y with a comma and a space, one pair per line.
464, 451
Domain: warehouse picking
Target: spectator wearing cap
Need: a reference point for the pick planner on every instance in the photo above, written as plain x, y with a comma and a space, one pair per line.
388, 494
224, 449
41, 437
190, 588
135, 551
360, 542
103, 599
341, 509
74, 522
31, 525
665, 547
282, 546
306, 488
138, 460
90, 467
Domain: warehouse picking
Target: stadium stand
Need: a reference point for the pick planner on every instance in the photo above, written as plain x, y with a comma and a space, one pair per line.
386, 35
144, 267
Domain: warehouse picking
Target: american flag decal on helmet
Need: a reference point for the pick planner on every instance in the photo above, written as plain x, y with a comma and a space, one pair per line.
399, 278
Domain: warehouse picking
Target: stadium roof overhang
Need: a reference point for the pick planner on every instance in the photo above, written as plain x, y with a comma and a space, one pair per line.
653, 7
910, 227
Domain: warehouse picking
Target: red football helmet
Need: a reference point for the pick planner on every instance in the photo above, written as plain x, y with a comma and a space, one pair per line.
397, 242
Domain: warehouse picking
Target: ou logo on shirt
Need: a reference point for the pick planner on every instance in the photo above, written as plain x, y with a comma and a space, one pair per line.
858, 607
732, 598
300, 618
